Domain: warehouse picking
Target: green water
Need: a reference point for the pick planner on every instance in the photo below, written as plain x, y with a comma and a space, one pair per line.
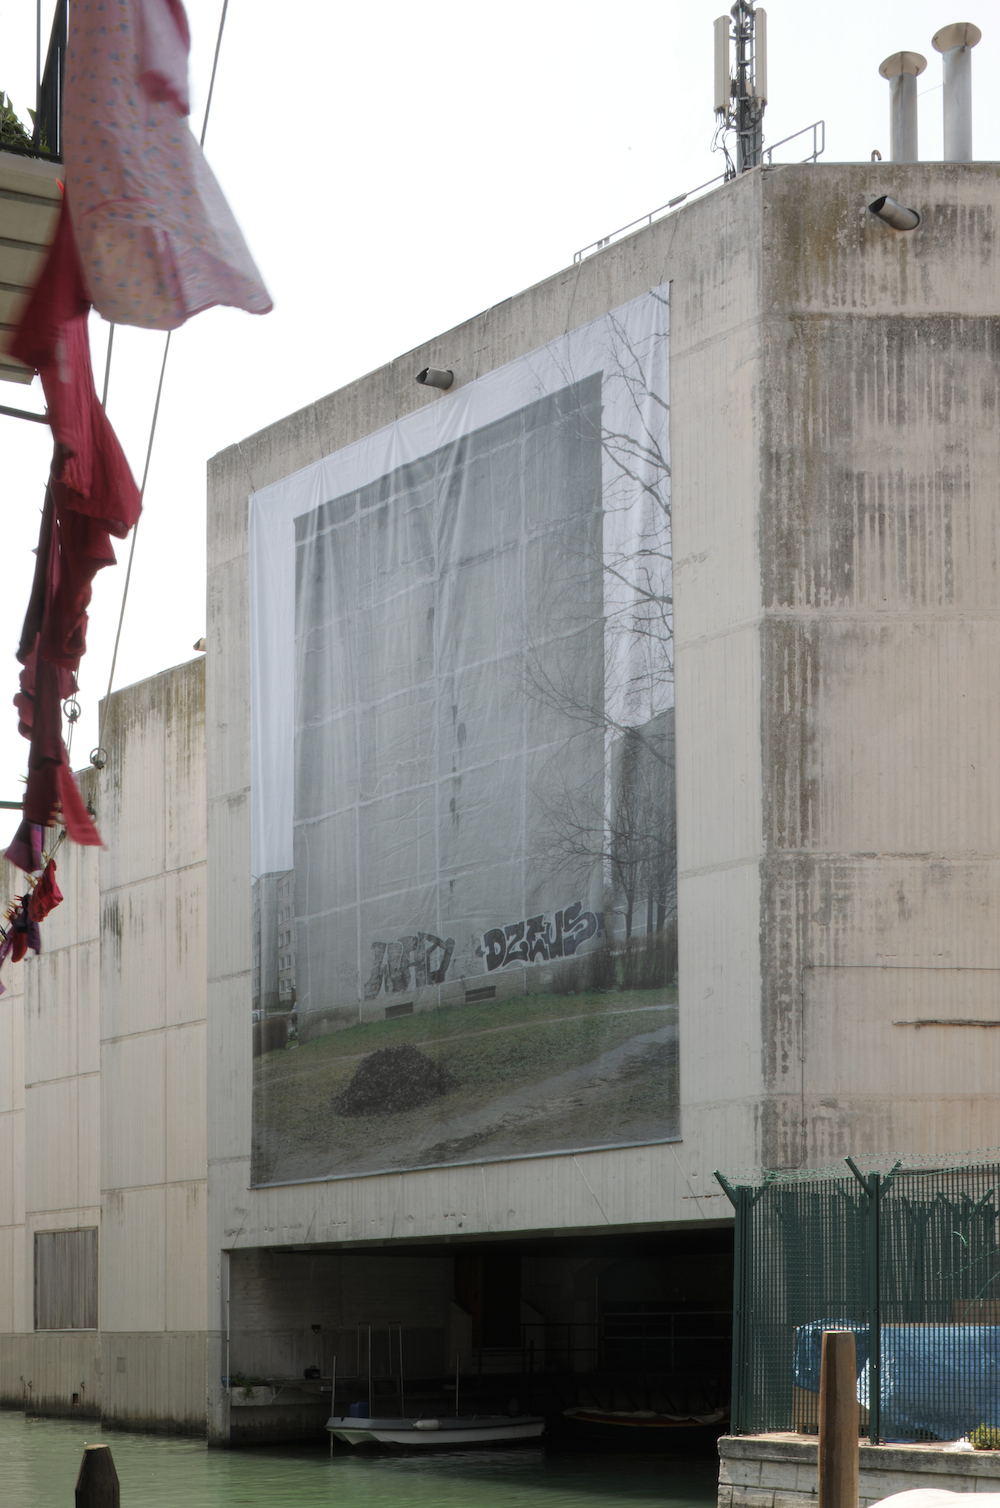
39, 1460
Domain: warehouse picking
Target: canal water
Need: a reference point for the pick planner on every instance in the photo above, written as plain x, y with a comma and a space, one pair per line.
40, 1458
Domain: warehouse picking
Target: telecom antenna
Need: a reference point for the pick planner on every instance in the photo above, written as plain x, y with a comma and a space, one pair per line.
741, 91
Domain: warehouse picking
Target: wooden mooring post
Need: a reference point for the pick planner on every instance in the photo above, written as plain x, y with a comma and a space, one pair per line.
97, 1484
837, 1458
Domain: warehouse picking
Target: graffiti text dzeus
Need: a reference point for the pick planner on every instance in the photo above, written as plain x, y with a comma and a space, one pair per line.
539, 938
408, 963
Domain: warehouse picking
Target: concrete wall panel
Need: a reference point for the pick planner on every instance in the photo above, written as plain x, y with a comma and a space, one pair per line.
11, 1052
133, 1096
52, 1150
11, 1171
183, 799
61, 1013
186, 1104
154, 1381
11, 1249
131, 806
54, 1368
229, 1067
133, 958
718, 752
133, 1260
184, 923
186, 1207
824, 251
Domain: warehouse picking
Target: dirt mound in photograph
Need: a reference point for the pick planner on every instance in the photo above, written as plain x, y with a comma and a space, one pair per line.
391, 1080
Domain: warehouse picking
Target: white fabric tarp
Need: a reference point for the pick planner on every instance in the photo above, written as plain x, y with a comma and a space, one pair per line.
464, 859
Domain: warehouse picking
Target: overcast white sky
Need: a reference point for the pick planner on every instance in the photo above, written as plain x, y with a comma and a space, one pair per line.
396, 168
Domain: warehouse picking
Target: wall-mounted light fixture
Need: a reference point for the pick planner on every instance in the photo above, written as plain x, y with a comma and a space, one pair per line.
894, 213
433, 377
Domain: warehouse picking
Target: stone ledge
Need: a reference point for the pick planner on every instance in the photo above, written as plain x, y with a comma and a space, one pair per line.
779, 1471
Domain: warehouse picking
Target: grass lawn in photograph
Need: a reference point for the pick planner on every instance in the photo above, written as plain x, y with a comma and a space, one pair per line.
531, 1073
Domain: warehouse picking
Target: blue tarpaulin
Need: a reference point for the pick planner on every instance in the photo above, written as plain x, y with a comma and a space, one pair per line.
938, 1381
809, 1347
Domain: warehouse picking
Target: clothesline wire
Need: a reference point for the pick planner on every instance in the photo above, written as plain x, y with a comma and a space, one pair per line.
131, 553
107, 367
156, 413
215, 64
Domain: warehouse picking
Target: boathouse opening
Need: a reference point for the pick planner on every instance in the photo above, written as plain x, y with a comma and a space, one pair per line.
613, 1324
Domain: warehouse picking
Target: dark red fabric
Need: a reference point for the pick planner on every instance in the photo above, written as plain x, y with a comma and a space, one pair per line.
24, 933
6, 946
76, 818
46, 895
26, 849
91, 495
52, 338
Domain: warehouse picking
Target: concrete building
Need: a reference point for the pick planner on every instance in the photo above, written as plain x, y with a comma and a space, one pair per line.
103, 1114
834, 462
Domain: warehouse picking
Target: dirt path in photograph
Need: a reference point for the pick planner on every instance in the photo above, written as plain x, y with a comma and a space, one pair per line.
573, 1091
593, 1088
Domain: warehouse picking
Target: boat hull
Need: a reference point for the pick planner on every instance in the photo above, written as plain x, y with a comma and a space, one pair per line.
642, 1431
460, 1433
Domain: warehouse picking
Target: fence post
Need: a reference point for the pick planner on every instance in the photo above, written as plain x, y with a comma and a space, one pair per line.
875, 1312
737, 1198
837, 1456
736, 1410
97, 1484
872, 1186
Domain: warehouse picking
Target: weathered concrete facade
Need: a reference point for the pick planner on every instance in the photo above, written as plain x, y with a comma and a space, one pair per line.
879, 461
835, 456
103, 1097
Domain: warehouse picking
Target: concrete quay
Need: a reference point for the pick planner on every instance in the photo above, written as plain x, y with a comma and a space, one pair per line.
779, 1471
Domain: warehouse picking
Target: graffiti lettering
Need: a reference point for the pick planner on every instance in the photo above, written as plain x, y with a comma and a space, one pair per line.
407, 964
538, 939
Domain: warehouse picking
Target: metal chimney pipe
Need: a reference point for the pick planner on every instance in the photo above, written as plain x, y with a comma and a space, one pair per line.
902, 70
956, 43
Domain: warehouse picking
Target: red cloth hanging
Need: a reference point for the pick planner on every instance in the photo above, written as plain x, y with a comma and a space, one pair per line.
46, 895
52, 338
91, 495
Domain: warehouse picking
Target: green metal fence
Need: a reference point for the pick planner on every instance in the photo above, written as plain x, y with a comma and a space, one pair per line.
908, 1259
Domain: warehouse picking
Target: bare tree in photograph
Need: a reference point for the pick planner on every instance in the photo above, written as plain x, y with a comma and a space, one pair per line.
623, 694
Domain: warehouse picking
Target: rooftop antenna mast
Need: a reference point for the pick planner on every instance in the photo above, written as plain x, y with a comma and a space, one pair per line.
741, 91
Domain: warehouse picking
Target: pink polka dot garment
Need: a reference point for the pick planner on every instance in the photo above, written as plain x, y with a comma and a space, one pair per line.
156, 238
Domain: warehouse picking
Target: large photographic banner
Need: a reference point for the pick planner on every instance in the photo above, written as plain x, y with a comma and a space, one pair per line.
464, 856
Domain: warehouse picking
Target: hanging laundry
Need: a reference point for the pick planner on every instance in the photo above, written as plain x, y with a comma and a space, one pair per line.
26, 933
46, 895
21, 934
166, 42
25, 851
91, 495
52, 338
157, 239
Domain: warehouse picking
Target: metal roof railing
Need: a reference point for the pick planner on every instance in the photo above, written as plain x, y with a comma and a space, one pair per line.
818, 130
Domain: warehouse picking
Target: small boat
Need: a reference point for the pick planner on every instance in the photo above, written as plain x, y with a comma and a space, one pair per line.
643, 1418
487, 1429
644, 1430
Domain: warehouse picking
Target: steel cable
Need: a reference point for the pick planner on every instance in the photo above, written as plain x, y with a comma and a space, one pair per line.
99, 757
